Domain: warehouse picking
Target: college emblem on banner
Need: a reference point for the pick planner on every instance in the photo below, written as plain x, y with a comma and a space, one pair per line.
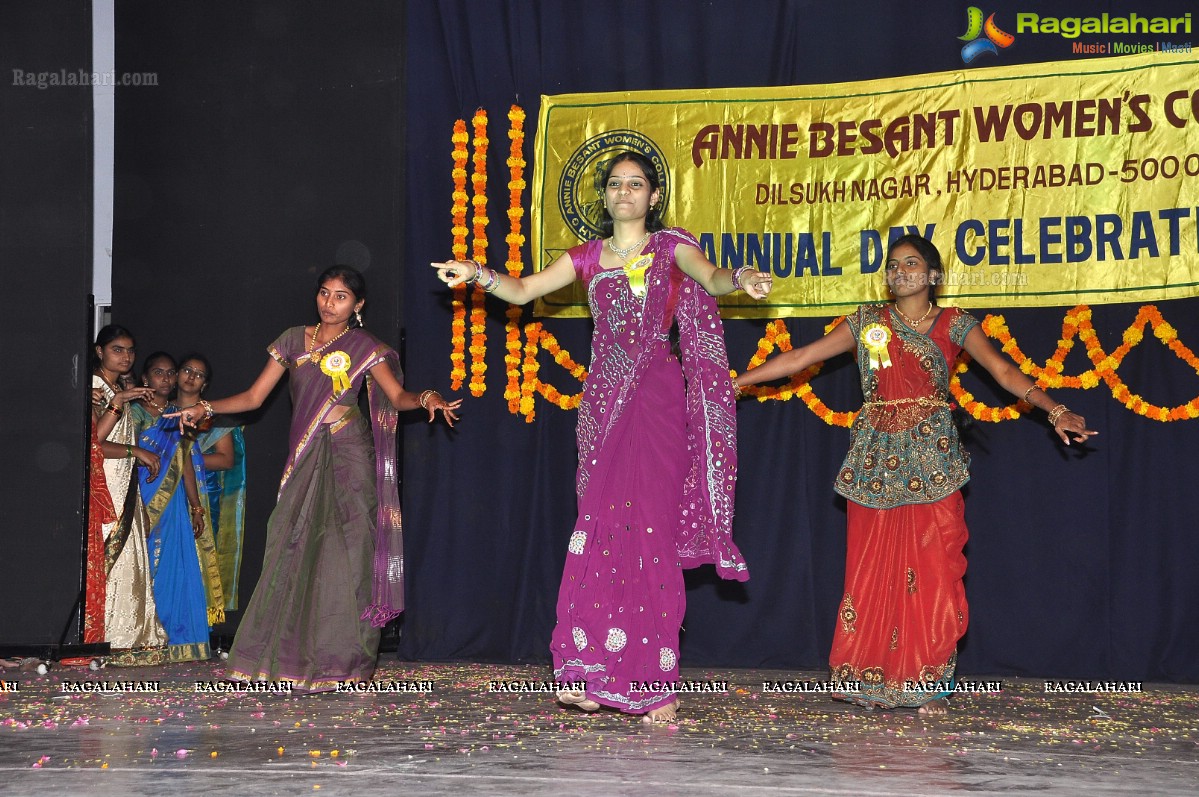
581, 189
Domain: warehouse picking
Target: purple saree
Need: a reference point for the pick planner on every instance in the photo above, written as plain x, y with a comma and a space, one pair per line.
657, 470
333, 571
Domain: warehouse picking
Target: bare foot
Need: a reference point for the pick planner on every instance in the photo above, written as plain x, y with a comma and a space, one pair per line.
662, 714
939, 706
578, 700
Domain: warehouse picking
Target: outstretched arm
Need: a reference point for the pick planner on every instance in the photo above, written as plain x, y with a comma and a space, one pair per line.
402, 399
244, 401
719, 281
1011, 379
514, 290
837, 341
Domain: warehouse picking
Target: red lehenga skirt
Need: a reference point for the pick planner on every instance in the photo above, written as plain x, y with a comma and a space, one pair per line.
904, 607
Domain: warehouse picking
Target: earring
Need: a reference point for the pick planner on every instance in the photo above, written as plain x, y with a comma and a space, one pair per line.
358, 315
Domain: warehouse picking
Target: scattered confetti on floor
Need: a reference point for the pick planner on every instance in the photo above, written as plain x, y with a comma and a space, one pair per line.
438, 723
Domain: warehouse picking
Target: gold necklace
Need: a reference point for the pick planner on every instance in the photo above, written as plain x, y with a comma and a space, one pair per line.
910, 322
154, 405
312, 347
112, 385
623, 254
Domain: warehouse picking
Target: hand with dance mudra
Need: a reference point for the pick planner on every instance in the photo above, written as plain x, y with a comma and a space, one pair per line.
431, 401
457, 272
191, 417
755, 283
1066, 423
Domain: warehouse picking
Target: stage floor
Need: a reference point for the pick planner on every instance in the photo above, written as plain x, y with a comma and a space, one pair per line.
58, 733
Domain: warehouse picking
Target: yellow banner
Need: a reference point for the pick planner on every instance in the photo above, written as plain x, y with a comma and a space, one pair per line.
1041, 184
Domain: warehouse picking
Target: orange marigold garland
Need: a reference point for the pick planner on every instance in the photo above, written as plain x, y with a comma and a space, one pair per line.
459, 231
563, 358
799, 385
478, 307
515, 240
529, 370
1077, 324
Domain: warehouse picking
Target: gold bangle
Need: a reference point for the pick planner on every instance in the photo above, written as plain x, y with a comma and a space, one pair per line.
738, 394
1056, 414
1028, 393
424, 398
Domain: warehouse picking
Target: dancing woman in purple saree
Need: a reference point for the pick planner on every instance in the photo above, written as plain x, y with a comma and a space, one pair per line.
333, 571
657, 445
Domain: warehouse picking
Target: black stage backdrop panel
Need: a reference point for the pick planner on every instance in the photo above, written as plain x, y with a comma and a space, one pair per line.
269, 151
1081, 562
45, 248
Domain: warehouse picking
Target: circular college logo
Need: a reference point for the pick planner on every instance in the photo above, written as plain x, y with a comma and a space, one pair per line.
581, 188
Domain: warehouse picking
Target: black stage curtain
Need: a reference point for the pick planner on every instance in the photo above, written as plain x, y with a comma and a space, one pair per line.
286, 128
268, 151
46, 257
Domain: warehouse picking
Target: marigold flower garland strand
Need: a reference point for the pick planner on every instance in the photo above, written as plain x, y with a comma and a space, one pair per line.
459, 231
478, 306
1077, 323
515, 240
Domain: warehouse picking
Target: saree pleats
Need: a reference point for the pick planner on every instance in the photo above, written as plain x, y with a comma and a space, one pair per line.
904, 605
622, 600
131, 623
304, 621
176, 576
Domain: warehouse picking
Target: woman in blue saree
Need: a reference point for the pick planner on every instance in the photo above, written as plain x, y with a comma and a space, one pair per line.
179, 540
223, 490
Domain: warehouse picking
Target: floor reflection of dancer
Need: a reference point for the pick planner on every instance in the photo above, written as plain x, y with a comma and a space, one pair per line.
333, 572
904, 607
657, 443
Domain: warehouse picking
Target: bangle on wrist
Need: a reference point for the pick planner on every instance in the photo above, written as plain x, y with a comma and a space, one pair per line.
128, 451
738, 394
474, 277
1028, 393
424, 398
115, 410
208, 413
1056, 414
737, 274
490, 279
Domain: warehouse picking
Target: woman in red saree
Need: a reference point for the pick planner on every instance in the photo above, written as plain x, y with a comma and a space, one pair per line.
904, 606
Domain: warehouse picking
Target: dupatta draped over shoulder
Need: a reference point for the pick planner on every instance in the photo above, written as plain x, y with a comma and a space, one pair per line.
313, 398
620, 358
